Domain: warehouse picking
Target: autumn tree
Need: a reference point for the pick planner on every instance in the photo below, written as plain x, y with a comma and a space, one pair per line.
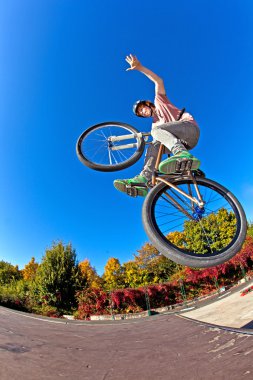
178, 239
30, 270
113, 274
134, 276
157, 267
89, 276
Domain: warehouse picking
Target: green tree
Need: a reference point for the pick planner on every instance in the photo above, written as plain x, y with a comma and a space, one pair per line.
58, 277
8, 273
134, 276
217, 229
250, 229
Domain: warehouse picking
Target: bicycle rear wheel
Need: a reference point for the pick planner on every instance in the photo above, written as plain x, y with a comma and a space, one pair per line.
190, 235
110, 146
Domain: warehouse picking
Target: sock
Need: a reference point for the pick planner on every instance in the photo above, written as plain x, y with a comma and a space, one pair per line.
178, 147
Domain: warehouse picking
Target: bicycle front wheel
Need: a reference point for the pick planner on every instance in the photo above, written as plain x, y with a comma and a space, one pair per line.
193, 236
110, 146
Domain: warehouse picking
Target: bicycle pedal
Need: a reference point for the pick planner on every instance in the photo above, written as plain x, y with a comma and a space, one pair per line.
178, 166
188, 165
131, 191
183, 164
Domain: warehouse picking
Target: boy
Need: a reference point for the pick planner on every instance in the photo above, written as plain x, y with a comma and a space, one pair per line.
175, 129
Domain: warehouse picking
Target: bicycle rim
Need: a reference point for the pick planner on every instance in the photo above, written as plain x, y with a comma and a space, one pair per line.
99, 148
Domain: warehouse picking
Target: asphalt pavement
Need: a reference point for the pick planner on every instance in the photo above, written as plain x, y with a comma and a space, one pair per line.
157, 347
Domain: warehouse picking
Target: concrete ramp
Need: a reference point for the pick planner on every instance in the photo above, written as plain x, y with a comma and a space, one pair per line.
230, 309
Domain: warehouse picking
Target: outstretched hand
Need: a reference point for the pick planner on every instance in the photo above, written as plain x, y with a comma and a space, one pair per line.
133, 62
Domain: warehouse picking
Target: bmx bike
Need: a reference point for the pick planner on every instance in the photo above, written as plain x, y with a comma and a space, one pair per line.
190, 219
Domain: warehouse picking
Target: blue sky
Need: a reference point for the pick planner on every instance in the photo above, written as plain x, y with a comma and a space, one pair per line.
62, 69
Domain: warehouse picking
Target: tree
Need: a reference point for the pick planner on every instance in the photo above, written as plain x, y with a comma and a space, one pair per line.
8, 273
89, 276
113, 274
217, 228
157, 267
58, 276
30, 270
178, 239
145, 255
250, 229
134, 276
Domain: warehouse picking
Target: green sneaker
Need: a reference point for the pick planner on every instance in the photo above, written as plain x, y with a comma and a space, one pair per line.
180, 162
133, 186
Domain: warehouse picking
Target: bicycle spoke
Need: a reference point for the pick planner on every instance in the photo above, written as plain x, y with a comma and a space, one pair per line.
166, 232
97, 151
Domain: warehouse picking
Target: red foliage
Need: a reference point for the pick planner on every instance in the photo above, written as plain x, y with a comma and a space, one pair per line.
128, 300
163, 295
195, 276
241, 259
246, 253
246, 291
92, 301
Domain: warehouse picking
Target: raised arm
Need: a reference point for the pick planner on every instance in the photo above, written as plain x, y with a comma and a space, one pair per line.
136, 65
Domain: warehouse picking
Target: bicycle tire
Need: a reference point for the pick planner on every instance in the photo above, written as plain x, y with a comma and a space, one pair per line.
87, 150
183, 255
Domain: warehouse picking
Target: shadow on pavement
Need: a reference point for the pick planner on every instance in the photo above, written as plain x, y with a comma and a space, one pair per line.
248, 325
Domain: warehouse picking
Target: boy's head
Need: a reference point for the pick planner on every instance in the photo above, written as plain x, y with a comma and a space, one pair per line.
143, 108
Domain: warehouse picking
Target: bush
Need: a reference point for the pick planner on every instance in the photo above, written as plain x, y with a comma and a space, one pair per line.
92, 302
14, 295
128, 301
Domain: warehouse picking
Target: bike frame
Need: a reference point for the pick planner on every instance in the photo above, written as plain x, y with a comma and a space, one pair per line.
156, 177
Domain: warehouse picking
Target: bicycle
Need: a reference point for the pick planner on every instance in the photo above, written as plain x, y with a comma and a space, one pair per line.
190, 219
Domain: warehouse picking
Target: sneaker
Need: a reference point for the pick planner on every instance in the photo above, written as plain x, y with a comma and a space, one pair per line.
133, 186
182, 161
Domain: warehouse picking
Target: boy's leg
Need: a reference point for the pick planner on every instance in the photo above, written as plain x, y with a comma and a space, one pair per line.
171, 135
185, 131
130, 186
150, 160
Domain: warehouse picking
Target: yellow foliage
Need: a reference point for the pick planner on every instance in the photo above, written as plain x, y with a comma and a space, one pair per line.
89, 274
29, 272
112, 274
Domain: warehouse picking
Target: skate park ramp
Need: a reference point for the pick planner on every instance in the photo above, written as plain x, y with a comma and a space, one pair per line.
230, 309
167, 346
